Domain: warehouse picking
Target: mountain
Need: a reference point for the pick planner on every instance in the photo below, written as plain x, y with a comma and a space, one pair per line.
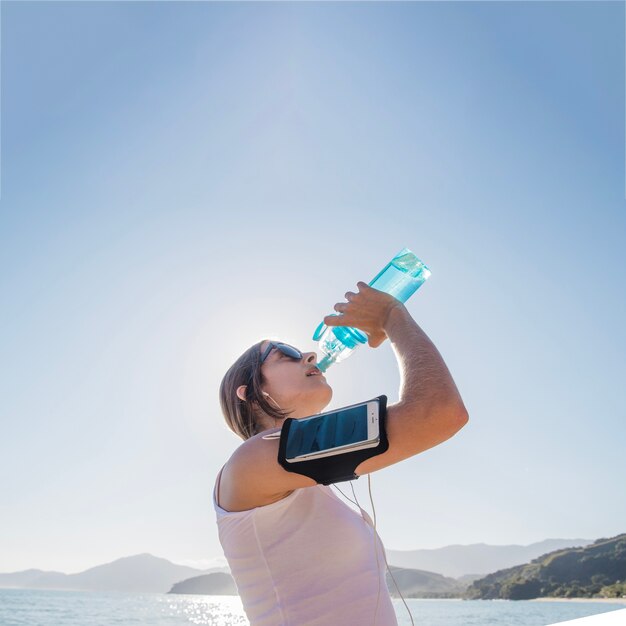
23, 579
596, 570
141, 573
475, 559
412, 584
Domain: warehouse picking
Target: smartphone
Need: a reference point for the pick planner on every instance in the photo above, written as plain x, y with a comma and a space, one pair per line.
352, 427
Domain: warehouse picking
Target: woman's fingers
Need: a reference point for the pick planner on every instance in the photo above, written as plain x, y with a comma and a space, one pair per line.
338, 320
365, 310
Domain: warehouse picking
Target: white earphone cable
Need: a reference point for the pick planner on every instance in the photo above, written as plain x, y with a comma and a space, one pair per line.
369, 484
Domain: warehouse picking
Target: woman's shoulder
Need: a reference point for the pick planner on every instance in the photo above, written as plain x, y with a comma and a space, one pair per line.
256, 470
238, 489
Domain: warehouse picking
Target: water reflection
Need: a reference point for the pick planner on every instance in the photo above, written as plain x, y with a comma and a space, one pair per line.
206, 610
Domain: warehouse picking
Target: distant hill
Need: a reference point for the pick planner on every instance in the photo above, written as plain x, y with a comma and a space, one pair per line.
596, 570
216, 584
469, 578
412, 584
141, 573
476, 559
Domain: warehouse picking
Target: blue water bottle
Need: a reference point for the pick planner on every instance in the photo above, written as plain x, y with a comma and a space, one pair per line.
401, 278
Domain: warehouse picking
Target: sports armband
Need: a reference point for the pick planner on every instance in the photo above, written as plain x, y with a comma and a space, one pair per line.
337, 467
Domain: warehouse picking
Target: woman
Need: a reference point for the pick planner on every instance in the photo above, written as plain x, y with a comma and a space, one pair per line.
298, 554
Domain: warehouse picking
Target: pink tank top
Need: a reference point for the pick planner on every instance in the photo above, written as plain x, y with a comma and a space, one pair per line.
306, 560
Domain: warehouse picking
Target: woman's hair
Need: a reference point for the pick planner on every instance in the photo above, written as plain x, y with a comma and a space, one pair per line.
240, 414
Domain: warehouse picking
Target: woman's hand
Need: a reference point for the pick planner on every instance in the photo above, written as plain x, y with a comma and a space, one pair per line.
367, 310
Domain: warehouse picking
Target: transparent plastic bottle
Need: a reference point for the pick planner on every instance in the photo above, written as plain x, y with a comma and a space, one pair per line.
401, 278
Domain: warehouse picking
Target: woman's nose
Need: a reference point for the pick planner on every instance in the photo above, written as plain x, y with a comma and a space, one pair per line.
310, 357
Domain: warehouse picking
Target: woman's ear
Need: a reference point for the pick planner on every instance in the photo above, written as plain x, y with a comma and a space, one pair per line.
241, 392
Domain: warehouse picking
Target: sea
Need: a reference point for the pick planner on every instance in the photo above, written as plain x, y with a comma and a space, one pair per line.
35, 607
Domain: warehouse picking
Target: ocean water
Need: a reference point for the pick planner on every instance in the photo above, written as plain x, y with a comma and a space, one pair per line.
34, 607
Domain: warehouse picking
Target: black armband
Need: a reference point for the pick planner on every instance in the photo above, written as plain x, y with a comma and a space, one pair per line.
337, 467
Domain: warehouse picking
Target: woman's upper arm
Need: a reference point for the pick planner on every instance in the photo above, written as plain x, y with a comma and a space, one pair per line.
410, 432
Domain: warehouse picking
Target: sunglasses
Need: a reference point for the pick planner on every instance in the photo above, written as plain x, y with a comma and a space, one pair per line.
284, 348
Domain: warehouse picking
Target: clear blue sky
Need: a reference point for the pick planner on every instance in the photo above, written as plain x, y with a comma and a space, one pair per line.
180, 180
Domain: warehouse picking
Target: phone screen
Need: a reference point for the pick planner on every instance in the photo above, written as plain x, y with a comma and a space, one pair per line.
331, 430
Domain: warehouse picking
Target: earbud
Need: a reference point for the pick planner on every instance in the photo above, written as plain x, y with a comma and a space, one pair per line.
272, 399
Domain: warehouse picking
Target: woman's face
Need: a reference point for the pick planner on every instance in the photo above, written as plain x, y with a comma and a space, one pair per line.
289, 386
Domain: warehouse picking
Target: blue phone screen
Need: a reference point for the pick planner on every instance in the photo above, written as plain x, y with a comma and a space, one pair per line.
340, 428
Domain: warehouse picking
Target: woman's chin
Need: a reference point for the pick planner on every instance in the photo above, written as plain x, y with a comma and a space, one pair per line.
329, 394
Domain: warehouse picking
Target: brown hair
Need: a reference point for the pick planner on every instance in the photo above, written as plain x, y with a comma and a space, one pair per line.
240, 414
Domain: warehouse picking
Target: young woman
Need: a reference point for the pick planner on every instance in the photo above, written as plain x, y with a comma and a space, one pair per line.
298, 554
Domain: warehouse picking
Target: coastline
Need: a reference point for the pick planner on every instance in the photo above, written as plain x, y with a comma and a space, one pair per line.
603, 600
